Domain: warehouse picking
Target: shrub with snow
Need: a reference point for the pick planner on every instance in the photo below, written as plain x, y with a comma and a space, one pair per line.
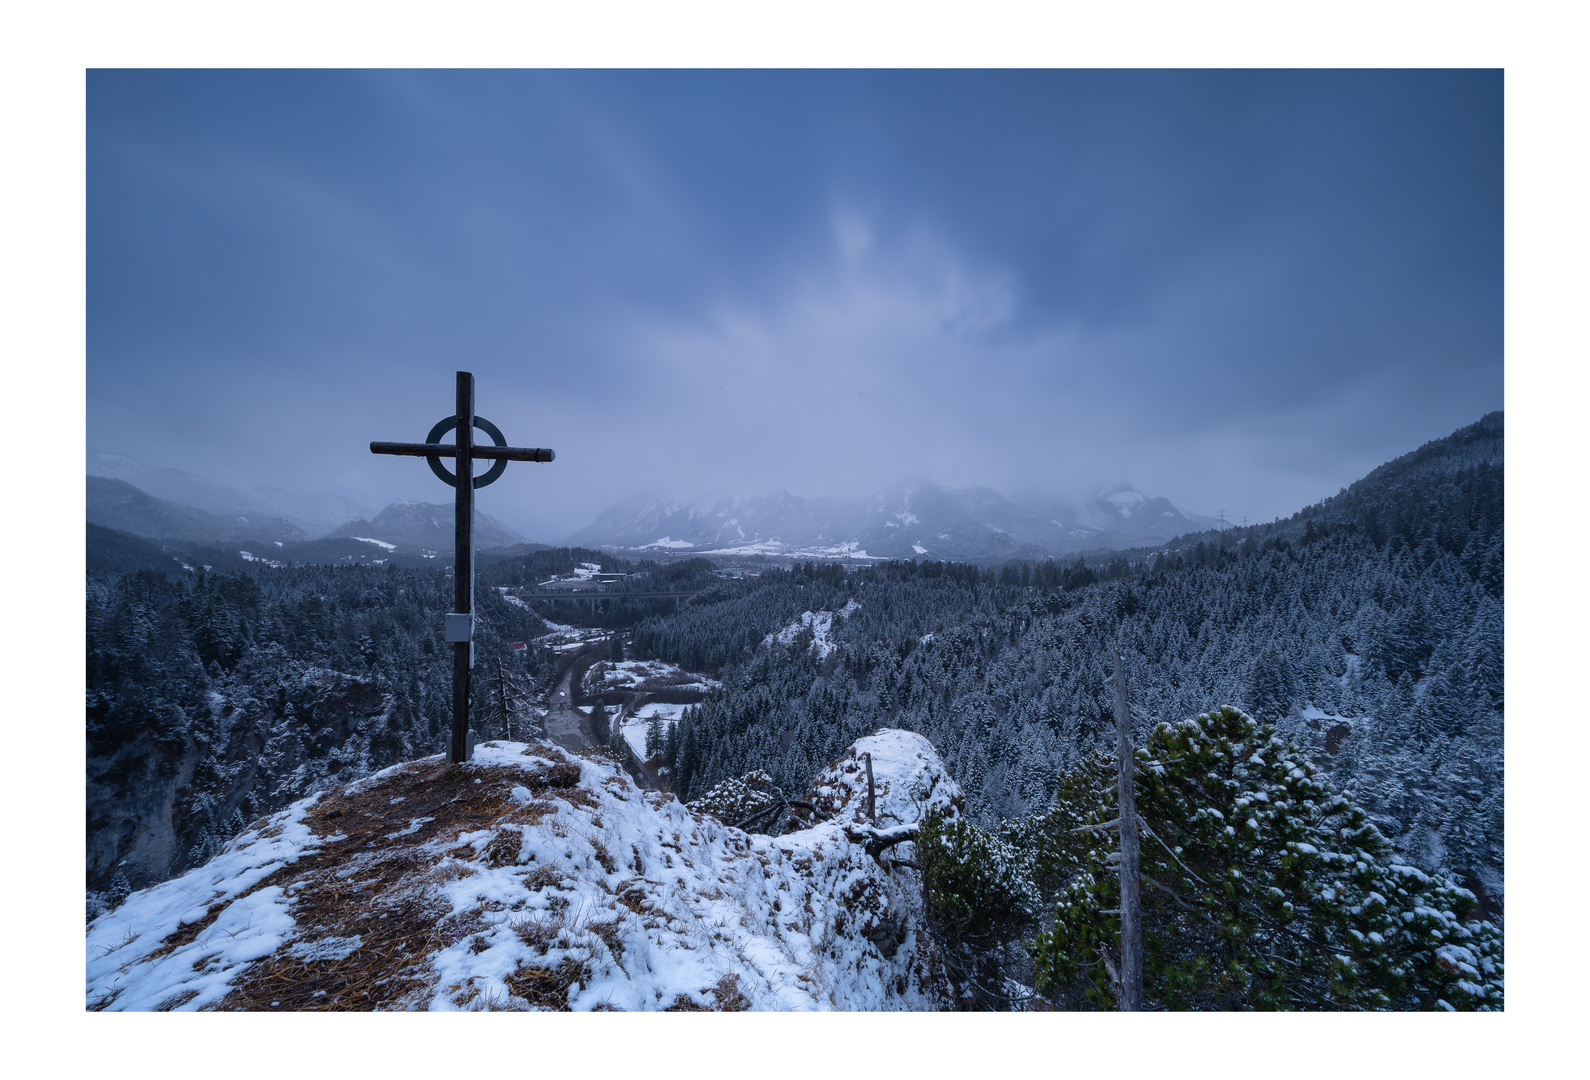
734, 801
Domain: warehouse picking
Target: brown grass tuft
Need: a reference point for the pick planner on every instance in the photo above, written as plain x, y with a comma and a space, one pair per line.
538, 931
504, 847
176, 1001
548, 988
188, 933
726, 997
607, 930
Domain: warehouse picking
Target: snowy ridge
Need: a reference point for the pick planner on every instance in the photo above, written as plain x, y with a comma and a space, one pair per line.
134, 961
528, 879
821, 623
849, 550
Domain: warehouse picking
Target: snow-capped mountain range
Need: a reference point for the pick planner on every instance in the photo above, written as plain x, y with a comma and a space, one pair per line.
913, 519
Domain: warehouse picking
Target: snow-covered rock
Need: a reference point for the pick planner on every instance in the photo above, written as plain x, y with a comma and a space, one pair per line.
531, 879
820, 623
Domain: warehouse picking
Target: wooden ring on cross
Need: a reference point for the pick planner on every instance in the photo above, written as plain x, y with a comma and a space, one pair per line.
448, 424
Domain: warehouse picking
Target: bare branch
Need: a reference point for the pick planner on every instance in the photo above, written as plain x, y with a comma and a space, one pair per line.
1115, 976
877, 841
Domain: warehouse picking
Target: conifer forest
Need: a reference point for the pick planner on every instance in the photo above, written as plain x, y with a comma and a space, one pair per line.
1364, 633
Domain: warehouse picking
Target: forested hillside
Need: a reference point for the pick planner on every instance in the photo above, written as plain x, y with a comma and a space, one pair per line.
1368, 628
214, 698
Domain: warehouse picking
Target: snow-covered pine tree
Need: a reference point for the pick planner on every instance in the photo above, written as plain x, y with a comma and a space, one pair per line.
1263, 889
978, 896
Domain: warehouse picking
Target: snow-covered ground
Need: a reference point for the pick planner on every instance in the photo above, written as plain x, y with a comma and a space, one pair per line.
645, 675
560, 636
635, 726
821, 624
130, 954
531, 879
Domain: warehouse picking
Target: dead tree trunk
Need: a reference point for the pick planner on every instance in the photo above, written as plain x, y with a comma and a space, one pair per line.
872, 802
502, 697
1131, 998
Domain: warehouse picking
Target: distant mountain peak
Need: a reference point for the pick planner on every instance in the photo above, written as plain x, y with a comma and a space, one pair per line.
420, 526
916, 517
315, 514
113, 466
1122, 497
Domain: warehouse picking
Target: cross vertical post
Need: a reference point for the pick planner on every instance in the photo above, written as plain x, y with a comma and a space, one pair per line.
463, 564
459, 627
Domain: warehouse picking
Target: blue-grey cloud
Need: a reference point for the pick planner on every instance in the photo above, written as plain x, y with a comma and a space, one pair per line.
1232, 288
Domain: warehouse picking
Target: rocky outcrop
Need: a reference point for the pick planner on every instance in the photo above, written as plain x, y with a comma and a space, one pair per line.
530, 878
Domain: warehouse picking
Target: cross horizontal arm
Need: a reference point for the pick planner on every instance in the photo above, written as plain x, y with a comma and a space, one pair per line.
448, 450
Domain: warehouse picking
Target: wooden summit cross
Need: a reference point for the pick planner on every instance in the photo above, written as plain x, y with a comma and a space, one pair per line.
459, 626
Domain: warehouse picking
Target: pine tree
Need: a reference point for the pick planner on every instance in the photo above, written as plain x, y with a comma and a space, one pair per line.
1264, 889
671, 746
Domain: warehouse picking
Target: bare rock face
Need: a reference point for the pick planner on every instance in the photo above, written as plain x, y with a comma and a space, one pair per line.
1337, 734
165, 799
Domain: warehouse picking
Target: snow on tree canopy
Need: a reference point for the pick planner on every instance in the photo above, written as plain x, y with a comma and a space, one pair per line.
821, 625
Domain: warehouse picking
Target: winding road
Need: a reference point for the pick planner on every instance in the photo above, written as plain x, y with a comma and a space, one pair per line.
571, 728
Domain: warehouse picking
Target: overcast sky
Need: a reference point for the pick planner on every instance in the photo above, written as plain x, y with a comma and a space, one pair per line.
1238, 290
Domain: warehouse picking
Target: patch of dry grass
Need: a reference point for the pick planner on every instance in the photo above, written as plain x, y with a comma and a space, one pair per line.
187, 933
548, 987
379, 885
726, 997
